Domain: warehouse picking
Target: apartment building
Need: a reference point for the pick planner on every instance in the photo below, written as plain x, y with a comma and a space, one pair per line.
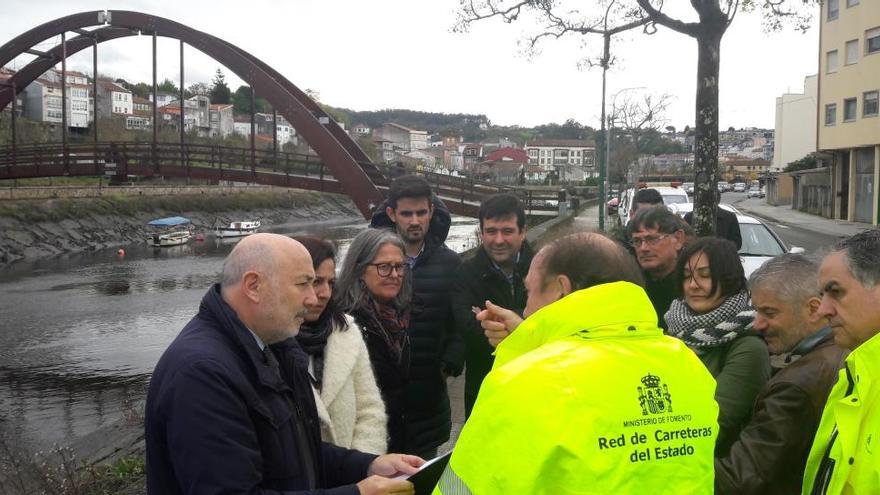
43, 100
795, 131
849, 105
114, 100
571, 159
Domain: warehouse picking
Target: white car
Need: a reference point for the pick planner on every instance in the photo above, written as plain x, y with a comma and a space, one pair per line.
759, 243
683, 209
688, 188
670, 195
755, 192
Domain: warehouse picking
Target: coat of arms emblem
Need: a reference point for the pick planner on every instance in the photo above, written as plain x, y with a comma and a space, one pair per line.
654, 396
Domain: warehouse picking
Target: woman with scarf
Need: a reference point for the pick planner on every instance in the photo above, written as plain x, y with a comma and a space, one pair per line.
349, 405
714, 317
374, 287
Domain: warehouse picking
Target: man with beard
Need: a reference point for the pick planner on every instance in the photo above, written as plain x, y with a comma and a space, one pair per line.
771, 451
845, 457
495, 273
230, 407
657, 236
437, 350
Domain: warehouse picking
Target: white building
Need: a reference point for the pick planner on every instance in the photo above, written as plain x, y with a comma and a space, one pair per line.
43, 99
162, 98
402, 138
114, 100
795, 134
572, 159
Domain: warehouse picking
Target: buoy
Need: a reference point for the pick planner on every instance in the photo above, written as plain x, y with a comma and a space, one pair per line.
120, 252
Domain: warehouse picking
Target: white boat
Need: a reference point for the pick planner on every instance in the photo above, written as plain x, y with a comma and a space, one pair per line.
237, 229
171, 231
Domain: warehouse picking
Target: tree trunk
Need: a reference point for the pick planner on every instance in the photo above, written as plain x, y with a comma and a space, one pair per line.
706, 130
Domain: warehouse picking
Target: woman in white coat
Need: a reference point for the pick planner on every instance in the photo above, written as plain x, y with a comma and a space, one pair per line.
349, 404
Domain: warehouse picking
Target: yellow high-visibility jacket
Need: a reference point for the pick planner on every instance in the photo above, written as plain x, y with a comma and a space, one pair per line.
588, 396
845, 458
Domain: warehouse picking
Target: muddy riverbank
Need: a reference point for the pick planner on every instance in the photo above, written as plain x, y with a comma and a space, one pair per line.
37, 228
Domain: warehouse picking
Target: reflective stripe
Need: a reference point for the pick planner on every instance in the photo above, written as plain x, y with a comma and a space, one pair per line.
451, 484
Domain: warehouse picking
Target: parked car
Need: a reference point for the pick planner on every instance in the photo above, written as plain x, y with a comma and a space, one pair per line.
723, 186
759, 243
683, 209
755, 192
671, 196
611, 206
739, 187
688, 188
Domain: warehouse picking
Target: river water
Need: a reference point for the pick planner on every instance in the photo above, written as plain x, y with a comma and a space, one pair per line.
80, 334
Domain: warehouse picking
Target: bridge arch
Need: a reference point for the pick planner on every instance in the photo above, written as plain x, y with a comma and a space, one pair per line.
334, 146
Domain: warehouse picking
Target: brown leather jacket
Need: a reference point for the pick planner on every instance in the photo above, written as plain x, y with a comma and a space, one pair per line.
771, 452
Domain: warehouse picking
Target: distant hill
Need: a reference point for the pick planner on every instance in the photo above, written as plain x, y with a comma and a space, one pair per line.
423, 121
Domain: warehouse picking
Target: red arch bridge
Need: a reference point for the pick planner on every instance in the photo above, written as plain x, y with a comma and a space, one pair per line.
340, 166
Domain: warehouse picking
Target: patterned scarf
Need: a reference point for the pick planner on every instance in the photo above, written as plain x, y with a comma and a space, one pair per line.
721, 325
395, 323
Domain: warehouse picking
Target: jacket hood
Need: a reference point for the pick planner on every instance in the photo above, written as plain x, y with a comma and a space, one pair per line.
616, 309
438, 229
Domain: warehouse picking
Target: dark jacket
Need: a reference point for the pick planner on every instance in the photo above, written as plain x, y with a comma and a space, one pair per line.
771, 452
661, 292
476, 281
224, 417
392, 376
726, 225
436, 346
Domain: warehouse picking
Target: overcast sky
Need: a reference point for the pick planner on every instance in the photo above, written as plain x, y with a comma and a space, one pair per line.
370, 55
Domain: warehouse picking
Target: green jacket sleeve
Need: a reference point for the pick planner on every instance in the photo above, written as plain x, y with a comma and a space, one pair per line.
744, 371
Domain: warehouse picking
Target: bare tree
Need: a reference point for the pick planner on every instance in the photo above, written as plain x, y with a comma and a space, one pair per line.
634, 114
555, 20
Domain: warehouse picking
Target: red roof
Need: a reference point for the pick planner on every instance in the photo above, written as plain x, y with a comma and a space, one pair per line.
508, 155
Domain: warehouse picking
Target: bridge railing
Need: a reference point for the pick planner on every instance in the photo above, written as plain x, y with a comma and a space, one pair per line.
123, 158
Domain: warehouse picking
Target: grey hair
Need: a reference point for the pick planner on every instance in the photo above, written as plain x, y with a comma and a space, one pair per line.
350, 292
793, 277
862, 256
257, 256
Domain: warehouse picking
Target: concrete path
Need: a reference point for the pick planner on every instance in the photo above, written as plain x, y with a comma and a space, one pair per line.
794, 218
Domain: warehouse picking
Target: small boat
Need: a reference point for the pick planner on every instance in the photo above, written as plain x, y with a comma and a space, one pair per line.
171, 231
237, 229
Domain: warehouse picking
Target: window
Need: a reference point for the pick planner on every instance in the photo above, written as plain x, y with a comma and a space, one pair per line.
851, 3
872, 40
849, 109
852, 52
870, 103
830, 114
831, 62
833, 9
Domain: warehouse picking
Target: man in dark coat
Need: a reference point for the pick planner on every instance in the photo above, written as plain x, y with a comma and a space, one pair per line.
771, 452
495, 273
230, 407
657, 236
437, 350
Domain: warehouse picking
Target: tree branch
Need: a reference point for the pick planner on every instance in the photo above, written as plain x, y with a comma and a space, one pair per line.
688, 28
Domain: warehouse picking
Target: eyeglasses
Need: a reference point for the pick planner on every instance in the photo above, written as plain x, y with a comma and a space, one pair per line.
385, 269
648, 240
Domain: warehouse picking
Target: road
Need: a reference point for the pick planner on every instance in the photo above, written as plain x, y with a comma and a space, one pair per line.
792, 234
